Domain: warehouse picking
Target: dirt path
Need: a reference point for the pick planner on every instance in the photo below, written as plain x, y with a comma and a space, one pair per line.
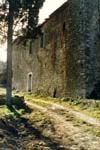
73, 134
49, 126
53, 106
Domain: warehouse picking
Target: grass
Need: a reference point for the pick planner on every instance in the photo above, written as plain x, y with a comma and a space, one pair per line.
90, 107
18, 106
94, 131
4, 111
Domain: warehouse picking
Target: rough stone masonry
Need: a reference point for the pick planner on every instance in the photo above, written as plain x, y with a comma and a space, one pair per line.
63, 61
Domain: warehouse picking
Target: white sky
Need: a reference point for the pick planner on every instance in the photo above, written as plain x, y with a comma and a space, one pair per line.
3, 53
49, 7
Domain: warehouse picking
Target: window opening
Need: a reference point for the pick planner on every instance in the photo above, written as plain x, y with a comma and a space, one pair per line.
30, 48
42, 38
30, 82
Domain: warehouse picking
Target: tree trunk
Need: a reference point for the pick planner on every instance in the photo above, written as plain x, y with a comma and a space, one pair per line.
9, 53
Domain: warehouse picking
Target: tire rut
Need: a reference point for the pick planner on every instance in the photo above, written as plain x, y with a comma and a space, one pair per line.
73, 137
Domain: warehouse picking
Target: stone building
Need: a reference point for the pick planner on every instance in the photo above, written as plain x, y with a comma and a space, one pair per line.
65, 59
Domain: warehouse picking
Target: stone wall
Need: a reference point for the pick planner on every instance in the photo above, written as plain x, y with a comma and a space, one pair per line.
65, 59
2, 73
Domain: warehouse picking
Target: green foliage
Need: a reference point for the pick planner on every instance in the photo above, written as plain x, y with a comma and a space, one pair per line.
18, 104
25, 15
90, 107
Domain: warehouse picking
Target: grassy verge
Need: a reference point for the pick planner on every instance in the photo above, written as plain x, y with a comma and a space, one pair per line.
90, 107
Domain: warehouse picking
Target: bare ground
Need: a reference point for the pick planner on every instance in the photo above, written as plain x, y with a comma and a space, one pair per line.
49, 126
72, 127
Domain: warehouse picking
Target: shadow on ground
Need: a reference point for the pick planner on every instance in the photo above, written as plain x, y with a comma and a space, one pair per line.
16, 131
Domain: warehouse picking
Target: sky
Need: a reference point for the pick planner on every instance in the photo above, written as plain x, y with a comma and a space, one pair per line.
3, 53
48, 7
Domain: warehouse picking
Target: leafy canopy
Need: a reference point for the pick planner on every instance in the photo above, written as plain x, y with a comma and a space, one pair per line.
25, 16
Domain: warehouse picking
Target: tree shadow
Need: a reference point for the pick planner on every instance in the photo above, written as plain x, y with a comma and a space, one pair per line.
12, 124
17, 102
2, 99
53, 145
28, 126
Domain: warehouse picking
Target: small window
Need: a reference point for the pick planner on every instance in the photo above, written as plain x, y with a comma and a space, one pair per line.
64, 28
30, 48
42, 40
29, 83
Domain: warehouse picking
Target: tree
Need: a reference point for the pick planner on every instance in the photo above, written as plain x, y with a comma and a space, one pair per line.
9, 51
22, 12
